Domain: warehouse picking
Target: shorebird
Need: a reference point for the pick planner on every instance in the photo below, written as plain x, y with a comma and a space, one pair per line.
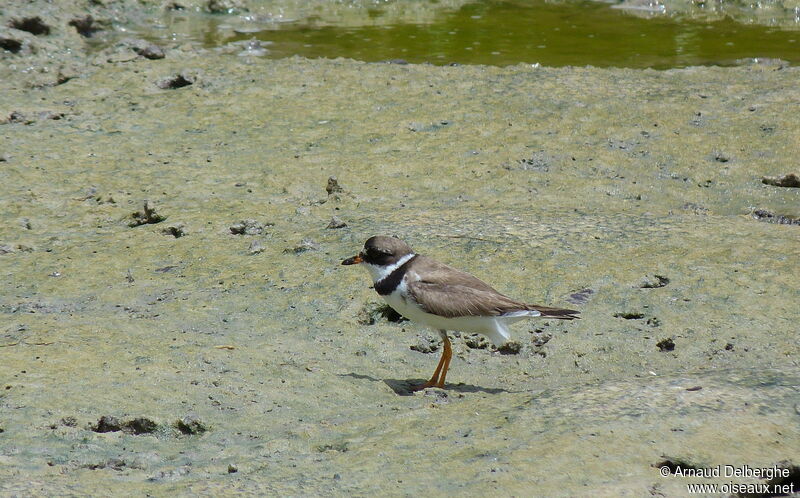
434, 294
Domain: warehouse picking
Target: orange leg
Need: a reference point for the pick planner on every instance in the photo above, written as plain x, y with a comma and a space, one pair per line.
441, 368
446, 356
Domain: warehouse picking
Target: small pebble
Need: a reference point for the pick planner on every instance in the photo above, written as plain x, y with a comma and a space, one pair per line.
150, 51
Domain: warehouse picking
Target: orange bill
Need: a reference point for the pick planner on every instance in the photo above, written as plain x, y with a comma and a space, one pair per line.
353, 261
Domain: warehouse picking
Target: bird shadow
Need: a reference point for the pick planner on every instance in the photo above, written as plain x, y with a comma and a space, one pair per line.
405, 387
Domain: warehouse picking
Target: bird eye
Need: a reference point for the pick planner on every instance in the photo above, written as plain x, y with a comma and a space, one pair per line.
377, 254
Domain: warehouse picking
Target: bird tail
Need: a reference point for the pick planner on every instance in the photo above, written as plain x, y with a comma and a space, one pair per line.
559, 313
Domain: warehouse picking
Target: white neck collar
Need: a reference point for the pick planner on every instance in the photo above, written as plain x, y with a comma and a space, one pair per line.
378, 273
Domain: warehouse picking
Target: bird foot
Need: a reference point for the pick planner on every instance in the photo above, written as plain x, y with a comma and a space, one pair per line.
426, 385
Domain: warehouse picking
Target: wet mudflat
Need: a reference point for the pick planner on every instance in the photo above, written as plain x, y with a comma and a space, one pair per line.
176, 318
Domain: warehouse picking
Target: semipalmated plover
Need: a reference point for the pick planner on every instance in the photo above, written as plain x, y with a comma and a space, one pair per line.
434, 294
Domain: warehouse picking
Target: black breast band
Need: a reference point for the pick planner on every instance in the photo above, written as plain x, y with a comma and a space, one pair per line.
392, 280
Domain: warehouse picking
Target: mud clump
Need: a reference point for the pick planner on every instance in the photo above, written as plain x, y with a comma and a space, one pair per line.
538, 342
85, 26
249, 227
146, 216
69, 421
788, 180
137, 426
191, 425
337, 447
629, 315
140, 425
176, 81
539, 161
107, 423
305, 245
178, 230
440, 397
675, 464
510, 347
112, 463
580, 297
18, 117
333, 186
770, 217
653, 282
12, 248
425, 344
665, 345
151, 51
721, 157
476, 341
224, 6
66, 422
335, 223
256, 247
33, 25
428, 128
374, 312
169, 475
10, 44
653, 321
145, 49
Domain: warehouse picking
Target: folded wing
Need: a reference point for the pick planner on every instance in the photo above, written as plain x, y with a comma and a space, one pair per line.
447, 292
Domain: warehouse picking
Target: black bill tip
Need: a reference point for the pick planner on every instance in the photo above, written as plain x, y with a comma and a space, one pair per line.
353, 261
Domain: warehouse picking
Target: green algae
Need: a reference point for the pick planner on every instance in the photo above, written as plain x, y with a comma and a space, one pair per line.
496, 32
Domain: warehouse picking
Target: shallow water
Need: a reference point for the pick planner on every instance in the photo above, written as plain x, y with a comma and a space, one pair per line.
495, 32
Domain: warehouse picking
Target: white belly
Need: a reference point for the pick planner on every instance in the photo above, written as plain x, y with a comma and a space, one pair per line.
493, 327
